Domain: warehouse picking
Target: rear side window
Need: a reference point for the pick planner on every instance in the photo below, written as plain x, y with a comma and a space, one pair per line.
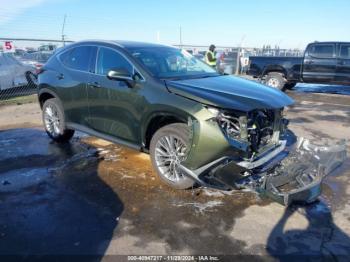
345, 51
108, 59
322, 51
78, 58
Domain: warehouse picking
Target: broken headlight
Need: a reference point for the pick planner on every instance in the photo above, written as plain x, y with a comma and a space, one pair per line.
234, 126
252, 131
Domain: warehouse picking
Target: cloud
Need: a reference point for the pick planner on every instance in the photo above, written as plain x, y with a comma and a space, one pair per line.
10, 9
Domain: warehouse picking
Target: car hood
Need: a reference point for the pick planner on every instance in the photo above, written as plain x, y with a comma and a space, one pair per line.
230, 92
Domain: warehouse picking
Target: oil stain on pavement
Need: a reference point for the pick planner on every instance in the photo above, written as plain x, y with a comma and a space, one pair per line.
92, 197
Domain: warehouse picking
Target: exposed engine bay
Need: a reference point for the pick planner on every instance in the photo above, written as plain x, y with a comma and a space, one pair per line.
260, 129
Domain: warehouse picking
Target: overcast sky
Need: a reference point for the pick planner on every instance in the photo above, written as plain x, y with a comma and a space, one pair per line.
289, 24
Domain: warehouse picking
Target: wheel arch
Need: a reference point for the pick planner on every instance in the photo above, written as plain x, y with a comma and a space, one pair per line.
157, 121
274, 69
45, 94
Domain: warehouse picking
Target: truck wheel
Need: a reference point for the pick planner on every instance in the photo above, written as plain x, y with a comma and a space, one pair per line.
275, 80
169, 147
53, 119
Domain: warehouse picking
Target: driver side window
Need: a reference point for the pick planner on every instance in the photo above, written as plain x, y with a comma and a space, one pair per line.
108, 59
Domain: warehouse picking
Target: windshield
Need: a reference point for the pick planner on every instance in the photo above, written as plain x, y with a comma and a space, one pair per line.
171, 63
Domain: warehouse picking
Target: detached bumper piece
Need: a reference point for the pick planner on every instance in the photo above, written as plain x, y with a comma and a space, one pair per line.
298, 177
287, 177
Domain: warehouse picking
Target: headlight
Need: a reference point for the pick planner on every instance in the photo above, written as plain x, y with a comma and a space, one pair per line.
213, 110
230, 125
233, 126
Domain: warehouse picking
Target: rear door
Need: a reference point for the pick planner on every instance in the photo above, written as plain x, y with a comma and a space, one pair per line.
320, 63
72, 79
343, 65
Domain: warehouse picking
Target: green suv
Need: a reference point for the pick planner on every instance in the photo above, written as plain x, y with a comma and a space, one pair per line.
197, 125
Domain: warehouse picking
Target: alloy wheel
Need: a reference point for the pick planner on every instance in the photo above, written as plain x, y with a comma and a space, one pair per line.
52, 120
273, 82
170, 151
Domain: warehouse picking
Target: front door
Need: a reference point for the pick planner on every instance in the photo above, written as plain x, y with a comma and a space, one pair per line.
320, 63
115, 107
343, 65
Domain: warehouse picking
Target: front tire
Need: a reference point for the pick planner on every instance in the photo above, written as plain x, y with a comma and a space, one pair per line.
54, 122
275, 80
168, 149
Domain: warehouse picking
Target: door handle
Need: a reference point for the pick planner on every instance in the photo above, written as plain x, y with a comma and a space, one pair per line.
310, 62
341, 63
60, 76
94, 85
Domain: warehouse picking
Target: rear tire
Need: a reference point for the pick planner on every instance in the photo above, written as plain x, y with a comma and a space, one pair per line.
169, 148
275, 80
54, 122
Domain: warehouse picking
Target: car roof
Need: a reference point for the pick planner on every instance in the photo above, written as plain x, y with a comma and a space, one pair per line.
123, 43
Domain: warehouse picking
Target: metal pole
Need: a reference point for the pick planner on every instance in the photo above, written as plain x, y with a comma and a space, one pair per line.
158, 36
180, 37
238, 60
63, 35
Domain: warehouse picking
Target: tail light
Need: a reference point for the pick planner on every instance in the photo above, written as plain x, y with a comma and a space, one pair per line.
38, 68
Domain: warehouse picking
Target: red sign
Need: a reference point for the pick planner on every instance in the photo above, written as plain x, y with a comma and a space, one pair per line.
9, 47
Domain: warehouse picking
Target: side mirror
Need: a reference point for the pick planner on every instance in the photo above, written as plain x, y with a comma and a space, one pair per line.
119, 74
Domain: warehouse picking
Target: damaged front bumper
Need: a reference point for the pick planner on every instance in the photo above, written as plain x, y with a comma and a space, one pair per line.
287, 176
298, 177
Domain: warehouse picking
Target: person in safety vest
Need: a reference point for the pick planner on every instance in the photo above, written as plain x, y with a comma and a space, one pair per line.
210, 57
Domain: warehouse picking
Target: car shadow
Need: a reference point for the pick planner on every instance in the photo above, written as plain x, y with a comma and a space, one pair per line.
53, 202
321, 239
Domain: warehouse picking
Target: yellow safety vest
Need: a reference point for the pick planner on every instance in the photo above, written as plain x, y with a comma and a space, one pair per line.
211, 63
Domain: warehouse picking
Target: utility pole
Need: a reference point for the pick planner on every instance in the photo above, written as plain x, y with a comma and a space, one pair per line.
62, 34
158, 36
239, 52
180, 37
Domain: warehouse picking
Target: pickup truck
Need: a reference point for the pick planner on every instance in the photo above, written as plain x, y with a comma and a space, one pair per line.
322, 63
